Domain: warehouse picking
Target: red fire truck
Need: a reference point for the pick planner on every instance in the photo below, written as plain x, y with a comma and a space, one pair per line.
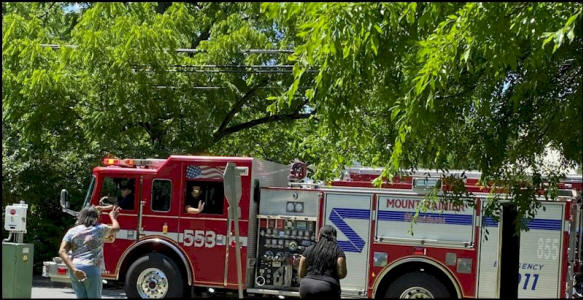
162, 251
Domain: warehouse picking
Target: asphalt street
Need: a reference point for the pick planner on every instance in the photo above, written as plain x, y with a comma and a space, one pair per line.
43, 288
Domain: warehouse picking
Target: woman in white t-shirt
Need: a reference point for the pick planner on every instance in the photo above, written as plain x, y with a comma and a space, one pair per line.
85, 241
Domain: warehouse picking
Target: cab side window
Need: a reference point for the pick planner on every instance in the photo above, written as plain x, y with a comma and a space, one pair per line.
211, 194
120, 191
161, 195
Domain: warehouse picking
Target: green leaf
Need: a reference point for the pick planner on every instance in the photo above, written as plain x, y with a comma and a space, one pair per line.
292, 91
378, 28
466, 54
572, 19
571, 34
309, 94
373, 45
411, 12
396, 111
345, 51
332, 48
550, 36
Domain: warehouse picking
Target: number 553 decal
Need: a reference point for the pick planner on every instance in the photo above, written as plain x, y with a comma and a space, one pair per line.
200, 238
209, 239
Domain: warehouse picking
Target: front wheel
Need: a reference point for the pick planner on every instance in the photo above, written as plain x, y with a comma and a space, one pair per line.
154, 276
417, 285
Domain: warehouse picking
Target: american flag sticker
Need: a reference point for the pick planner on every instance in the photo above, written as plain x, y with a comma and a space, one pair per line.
204, 172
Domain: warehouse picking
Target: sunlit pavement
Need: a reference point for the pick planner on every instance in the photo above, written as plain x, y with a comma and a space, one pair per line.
43, 288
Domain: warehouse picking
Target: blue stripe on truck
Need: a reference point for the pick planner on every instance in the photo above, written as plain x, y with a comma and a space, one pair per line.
403, 216
541, 224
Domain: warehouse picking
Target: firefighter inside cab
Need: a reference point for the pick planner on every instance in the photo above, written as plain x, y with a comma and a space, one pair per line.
203, 197
193, 200
124, 199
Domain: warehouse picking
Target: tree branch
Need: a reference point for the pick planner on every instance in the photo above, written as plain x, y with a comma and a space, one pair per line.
296, 115
46, 12
152, 129
237, 107
202, 37
522, 6
145, 125
293, 116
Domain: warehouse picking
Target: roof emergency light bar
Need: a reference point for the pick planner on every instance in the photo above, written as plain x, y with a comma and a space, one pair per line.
426, 178
133, 163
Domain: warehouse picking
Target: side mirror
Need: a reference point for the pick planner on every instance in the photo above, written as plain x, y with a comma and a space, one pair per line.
65, 203
64, 199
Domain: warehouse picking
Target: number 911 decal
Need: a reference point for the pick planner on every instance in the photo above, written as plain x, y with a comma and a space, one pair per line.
525, 281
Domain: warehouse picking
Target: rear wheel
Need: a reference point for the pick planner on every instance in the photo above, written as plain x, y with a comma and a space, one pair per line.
417, 285
154, 276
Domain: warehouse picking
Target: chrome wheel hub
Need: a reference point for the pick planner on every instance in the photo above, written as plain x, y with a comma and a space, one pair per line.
416, 292
152, 283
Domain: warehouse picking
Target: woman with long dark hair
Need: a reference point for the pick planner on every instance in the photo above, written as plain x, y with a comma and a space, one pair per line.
85, 241
322, 266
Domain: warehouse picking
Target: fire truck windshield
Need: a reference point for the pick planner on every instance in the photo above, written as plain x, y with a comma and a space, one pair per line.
87, 201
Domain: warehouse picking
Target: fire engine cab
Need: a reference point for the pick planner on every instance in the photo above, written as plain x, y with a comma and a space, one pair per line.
163, 251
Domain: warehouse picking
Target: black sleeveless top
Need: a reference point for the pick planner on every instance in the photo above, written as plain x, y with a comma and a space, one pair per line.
329, 274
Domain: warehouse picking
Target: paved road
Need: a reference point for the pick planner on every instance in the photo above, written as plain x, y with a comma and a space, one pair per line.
43, 288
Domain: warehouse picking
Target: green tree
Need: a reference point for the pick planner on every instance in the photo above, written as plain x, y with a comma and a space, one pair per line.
398, 85
117, 85
485, 86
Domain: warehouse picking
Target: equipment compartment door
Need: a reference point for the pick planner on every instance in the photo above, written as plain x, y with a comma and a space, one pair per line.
489, 266
541, 253
350, 215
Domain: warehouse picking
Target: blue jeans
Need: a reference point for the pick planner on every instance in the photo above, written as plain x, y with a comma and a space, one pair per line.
91, 286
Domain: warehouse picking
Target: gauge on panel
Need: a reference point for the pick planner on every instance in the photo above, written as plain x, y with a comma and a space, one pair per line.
260, 281
299, 207
293, 246
290, 207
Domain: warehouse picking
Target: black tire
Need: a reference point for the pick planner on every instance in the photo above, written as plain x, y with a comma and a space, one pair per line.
174, 285
426, 283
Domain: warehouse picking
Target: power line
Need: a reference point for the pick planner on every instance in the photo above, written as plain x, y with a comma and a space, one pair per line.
211, 88
55, 46
267, 51
208, 87
231, 68
234, 69
265, 69
188, 50
247, 51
